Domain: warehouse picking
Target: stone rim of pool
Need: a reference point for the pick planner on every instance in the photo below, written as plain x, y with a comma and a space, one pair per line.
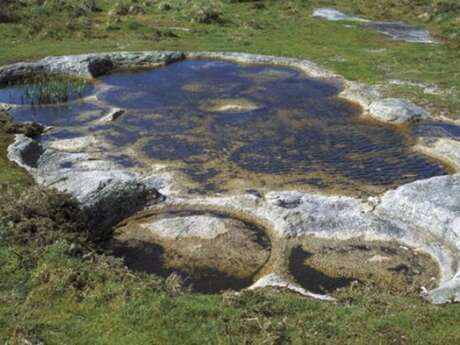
423, 215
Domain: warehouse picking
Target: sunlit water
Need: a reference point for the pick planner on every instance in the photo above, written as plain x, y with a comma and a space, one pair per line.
231, 127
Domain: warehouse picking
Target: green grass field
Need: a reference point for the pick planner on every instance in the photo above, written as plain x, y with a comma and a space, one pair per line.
48, 296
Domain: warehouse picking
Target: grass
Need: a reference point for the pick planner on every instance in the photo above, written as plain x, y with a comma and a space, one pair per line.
49, 294
42, 90
67, 300
11, 176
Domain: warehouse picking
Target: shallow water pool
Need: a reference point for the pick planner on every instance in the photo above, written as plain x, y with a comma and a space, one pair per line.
230, 127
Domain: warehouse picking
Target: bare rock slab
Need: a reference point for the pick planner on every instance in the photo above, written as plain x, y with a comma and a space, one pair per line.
397, 111
402, 32
398, 31
108, 193
433, 207
198, 226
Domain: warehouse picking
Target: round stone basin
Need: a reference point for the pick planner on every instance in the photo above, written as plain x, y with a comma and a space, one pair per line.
322, 266
226, 127
211, 251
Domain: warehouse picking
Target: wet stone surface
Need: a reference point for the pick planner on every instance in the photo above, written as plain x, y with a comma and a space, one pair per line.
231, 127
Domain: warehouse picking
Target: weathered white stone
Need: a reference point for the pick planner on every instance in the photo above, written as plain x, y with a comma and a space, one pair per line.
291, 214
87, 65
433, 207
25, 152
230, 105
275, 281
200, 226
112, 116
397, 111
362, 94
108, 193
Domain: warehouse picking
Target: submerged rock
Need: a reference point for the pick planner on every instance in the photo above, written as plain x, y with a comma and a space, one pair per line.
112, 116
229, 106
198, 226
397, 111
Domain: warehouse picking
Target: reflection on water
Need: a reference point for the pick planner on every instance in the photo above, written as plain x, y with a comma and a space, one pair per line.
273, 128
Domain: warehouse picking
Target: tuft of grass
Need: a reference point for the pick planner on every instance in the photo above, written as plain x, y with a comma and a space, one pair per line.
41, 90
205, 12
11, 176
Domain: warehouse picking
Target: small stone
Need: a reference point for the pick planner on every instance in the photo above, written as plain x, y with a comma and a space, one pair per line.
378, 258
229, 106
112, 116
74, 249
